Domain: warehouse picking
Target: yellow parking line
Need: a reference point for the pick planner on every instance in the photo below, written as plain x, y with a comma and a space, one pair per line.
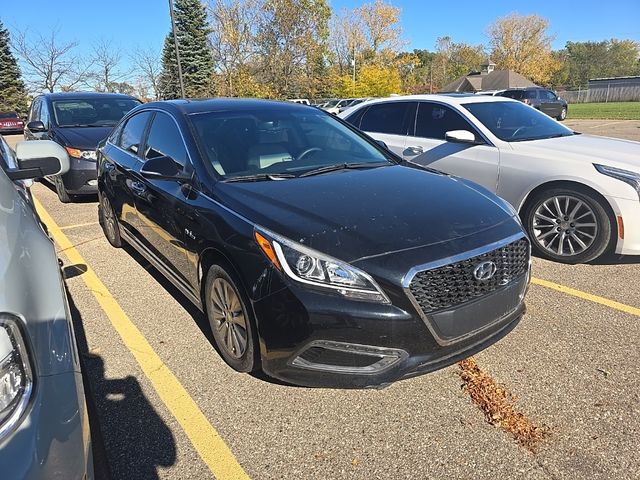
206, 440
78, 225
587, 296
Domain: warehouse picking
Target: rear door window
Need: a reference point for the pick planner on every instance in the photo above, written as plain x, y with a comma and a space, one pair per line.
434, 120
389, 117
133, 132
531, 94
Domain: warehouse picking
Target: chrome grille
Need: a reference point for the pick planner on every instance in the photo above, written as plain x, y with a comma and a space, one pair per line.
454, 284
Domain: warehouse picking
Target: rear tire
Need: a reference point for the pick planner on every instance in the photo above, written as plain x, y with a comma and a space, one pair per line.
63, 195
568, 225
109, 222
231, 320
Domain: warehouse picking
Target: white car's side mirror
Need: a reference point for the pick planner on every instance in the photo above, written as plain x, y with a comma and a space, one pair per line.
460, 136
38, 159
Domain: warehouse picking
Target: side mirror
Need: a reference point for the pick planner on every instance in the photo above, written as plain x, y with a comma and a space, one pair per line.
382, 144
36, 126
460, 136
39, 159
162, 168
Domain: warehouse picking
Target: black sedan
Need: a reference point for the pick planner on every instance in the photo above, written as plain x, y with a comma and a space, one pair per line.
317, 255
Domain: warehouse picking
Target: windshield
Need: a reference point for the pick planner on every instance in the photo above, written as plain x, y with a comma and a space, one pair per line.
516, 122
331, 103
98, 112
8, 115
276, 141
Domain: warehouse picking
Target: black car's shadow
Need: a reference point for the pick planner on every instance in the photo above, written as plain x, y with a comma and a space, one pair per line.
76, 198
129, 438
199, 318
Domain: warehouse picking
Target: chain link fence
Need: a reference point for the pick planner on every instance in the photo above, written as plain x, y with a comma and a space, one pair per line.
603, 93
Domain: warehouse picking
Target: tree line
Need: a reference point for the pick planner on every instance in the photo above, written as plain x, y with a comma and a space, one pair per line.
298, 49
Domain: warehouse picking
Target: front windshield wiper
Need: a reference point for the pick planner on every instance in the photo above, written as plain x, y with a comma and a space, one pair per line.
343, 166
260, 176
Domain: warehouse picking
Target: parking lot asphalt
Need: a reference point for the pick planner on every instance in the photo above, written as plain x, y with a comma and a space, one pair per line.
167, 406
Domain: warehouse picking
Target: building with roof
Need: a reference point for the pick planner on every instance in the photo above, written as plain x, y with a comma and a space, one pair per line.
487, 79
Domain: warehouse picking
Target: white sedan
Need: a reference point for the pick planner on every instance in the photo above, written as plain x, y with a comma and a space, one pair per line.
578, 195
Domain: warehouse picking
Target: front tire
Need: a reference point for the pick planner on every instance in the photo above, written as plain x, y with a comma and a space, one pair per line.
563, 114
63, 195
568, 225
231, 320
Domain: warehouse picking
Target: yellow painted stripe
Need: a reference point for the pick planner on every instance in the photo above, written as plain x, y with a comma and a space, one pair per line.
587, 296
206, 440
78, 225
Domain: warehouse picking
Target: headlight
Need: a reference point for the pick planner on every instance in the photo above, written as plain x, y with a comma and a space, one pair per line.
632, 178
310, 267
16, 378
84, 154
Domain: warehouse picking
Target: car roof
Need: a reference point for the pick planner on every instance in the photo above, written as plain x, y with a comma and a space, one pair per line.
84, 95
221, 104
450, 98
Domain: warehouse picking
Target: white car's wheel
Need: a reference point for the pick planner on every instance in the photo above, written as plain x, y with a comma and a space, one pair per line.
568, 225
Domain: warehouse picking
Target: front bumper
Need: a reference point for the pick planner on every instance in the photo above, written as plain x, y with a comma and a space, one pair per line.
629, 211
82, 177
316, 339
53, 440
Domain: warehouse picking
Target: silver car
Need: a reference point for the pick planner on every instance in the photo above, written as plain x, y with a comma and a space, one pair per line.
44, 427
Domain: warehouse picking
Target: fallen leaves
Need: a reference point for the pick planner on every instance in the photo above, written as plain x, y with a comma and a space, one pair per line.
498, 405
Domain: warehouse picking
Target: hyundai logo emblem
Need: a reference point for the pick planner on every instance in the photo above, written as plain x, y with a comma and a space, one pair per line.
485, 270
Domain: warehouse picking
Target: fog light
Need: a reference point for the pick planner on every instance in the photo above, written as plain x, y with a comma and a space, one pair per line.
92, 183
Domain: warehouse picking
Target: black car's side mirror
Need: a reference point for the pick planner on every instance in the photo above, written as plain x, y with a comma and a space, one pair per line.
36, 126
382, 144
163, 168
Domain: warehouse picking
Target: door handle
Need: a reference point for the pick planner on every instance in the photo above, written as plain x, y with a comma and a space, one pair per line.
413, 150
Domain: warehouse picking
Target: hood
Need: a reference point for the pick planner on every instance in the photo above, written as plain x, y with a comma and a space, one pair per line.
352, 214
83, 138
587, 148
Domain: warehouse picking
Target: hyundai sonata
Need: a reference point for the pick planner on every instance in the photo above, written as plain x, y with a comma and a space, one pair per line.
315, 253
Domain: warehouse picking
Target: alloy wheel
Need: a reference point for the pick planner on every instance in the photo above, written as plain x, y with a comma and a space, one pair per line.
109, 219
564, 225
229, 321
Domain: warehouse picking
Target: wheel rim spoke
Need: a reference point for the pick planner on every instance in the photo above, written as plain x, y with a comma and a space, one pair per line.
556, 227
229, 322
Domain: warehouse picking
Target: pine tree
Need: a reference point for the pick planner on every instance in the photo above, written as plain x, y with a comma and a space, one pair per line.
195, 55
13, 97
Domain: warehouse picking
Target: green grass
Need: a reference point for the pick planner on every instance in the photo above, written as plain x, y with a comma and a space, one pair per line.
605, 111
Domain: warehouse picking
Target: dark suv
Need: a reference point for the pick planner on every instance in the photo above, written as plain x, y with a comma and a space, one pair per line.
77, 121
544, 100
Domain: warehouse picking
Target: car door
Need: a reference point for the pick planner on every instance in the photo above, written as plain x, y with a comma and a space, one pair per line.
427, 146
160, 203
120, 158
549, 103
389, 122
34, 114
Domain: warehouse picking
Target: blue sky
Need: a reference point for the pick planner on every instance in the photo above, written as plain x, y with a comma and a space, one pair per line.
127, 23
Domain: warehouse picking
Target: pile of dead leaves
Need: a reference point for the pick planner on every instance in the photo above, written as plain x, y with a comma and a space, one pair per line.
498, 405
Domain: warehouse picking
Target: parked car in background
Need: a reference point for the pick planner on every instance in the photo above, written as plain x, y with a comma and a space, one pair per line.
353, 103
340, 104
77, 121
578, 195
303, 101
44, 427
540, 98
316, 254
10, 123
